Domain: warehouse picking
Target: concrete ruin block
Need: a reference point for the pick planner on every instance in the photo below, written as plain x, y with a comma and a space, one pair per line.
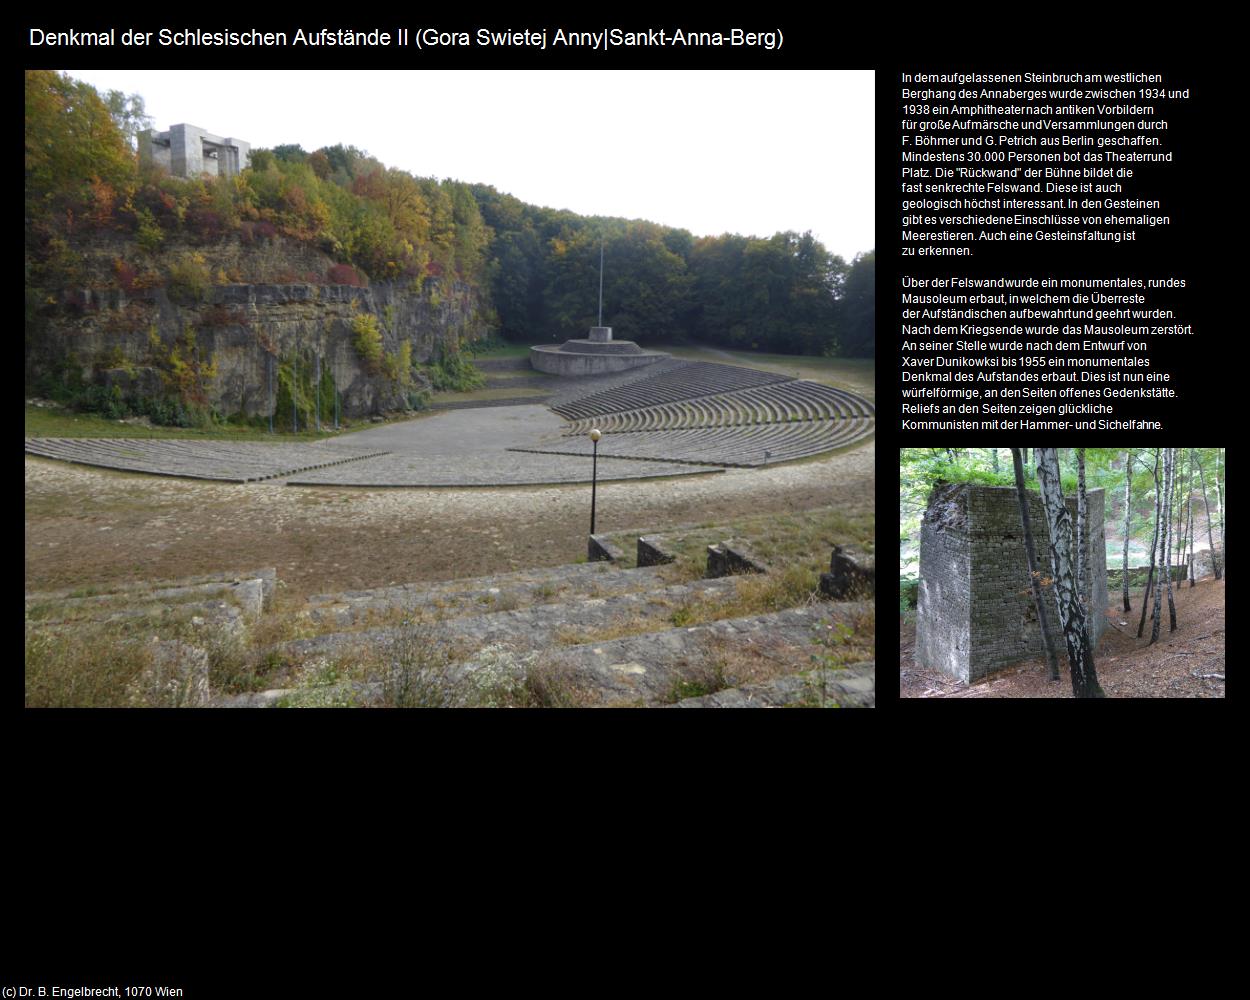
651, 552
851, 570
1203, 566
601, 550
176, 678
730, 558
975, 610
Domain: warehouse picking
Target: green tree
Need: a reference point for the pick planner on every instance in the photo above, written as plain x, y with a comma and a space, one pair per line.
857, 311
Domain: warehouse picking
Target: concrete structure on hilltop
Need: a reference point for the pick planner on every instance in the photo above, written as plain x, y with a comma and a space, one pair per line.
189, 151
597, 354
975, 611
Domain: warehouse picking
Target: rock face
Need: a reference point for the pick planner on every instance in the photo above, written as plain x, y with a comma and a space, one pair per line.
975, 610
280, 308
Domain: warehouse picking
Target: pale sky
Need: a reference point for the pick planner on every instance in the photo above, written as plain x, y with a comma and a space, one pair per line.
709, 151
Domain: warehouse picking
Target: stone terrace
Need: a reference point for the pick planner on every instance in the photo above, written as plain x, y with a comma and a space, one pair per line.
231, 461
672, 418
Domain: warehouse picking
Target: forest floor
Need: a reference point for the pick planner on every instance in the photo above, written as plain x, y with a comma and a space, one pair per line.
1127, 667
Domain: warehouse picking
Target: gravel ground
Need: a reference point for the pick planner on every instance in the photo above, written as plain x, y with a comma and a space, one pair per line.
88, 525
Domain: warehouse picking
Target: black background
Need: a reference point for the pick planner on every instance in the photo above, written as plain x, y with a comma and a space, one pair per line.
219, 793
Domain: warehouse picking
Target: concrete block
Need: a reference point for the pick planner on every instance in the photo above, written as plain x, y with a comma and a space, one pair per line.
602, 550
851, 570
729, 558
651, 552
975, 610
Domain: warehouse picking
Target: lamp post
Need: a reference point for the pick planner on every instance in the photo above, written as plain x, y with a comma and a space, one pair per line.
595, 435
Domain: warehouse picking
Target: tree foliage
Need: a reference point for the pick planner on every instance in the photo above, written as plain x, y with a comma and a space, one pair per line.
783, 292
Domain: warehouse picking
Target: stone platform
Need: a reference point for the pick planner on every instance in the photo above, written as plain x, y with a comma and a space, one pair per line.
596, 354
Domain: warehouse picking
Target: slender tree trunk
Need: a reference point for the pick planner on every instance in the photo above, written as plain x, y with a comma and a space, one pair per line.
1178, 501
1189, 531
1082, 533
1156, 613
1071, 616
1030, 551
1128, 511
994, 457
1219, 496
1168, 547
1215, 564
1154, 548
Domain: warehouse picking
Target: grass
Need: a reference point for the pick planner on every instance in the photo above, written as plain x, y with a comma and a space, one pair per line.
791, 586
487, 394
50, 422
502, 351
802, 537
73, 670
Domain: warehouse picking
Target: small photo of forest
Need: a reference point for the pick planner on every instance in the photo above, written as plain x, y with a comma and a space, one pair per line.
1061, 572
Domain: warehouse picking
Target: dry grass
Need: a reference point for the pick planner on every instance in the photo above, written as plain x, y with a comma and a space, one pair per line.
754, 594
89, 668
803, 537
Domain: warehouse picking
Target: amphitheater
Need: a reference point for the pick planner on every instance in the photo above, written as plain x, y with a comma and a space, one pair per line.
472, 597
674, 417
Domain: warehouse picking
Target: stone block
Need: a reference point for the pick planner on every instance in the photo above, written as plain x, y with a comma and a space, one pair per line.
651, 552
975, 610
851, 571
602, 550
176, 678
729, 559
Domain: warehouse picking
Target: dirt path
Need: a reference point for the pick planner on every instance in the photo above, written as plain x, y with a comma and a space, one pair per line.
1127, 667
85, 525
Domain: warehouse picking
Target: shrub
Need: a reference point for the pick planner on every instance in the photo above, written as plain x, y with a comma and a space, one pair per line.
251, 232
149, 234
398, 367
345, 274
454, 373
368, 341
219, 315
126, 275
908, 593
189, 279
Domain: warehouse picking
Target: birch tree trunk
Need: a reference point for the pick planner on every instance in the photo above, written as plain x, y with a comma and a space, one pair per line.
1189, 489
1167, 565
1128, 511
1071, 615
1162, 500
1219, 497
1030, 551
1215, 565
1082, 533
1154, 549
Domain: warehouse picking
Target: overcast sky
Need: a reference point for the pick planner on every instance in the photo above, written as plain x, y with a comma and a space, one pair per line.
712, 152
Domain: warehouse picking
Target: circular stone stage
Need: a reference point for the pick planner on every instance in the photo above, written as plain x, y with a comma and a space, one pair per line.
672, 418
597, 354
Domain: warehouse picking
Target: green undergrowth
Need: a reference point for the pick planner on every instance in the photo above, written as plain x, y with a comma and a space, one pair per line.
57, 422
